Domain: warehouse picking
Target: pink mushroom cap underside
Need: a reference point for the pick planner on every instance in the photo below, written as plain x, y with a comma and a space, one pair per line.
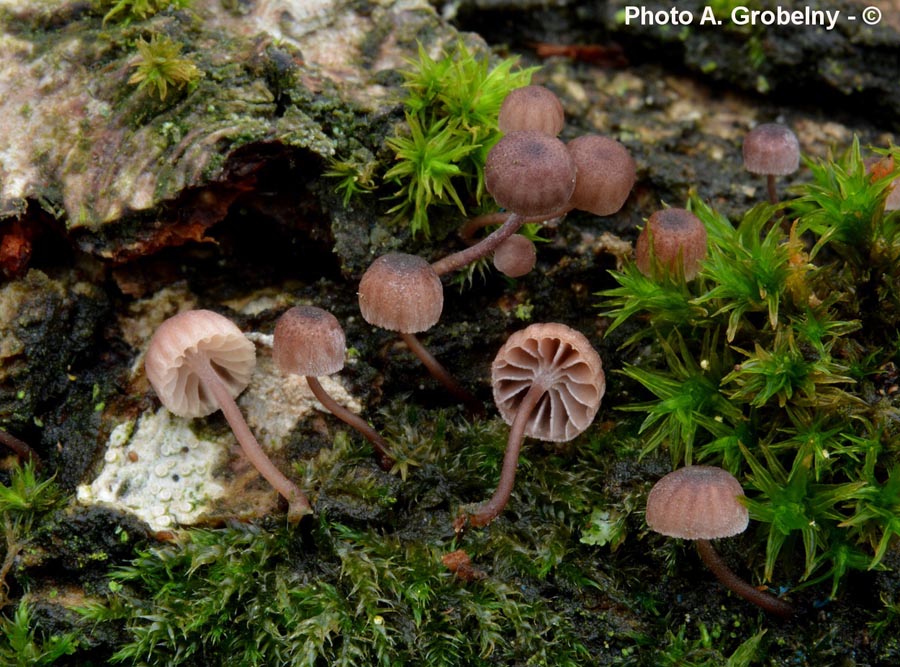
567, 365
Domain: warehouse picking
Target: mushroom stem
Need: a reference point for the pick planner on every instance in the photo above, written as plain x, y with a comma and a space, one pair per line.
298, 503
481, 249
770, 186
441, 374
385, 460
472, 225
730, 580
490, 510
20, 448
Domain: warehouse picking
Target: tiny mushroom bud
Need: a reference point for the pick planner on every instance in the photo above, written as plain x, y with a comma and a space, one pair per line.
197, 362
771, 149
606, 174
310, 341
702, 503
515, 257
531, 108
548, 382
403, 293
673, 241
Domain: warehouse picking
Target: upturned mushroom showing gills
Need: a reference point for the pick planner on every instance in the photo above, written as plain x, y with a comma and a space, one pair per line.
197, 362
548, 382
702, 503
309, 341
773, 150
402, 293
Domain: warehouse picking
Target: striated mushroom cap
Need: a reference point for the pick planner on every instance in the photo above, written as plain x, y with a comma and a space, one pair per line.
182, 340
531, 108
606, 174
677, 238
697, 503
563, 360
530, 173
308, 341
401, 292
771, 148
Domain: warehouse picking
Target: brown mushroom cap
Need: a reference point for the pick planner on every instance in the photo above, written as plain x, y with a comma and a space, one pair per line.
606, 174
771, 149
308, 341
697, 503
530, 173
179, 342
678, 240
515, 257
563, 360
401, 292
531, 108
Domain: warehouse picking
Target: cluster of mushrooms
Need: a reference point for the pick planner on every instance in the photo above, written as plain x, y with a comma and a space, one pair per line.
547, 379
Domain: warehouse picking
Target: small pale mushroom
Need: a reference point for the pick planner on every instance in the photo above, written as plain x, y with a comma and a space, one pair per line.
548, 382
197, 362
702, 503
515, 257
401, 292
309, 341
673, 241
771, 149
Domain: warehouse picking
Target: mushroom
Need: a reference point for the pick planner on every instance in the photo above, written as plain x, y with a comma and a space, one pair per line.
548, 382
531, 108
515, 257
309, 341
701, 503
674, 241
606, 174
197, 362
771, 149
402, 293
531, 175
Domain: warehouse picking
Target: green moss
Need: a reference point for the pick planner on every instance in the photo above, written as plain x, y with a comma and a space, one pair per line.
770, 364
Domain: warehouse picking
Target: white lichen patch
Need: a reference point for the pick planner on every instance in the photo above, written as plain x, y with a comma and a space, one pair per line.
275, 403
158, 470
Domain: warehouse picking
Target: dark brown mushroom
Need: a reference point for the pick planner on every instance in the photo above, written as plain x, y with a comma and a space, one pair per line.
197, 362
548, 382
531, 108
771, 149
701, 503
309, 341
606, 174
672, 242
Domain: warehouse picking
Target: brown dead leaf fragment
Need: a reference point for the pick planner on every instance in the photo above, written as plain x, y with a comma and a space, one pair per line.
459, 563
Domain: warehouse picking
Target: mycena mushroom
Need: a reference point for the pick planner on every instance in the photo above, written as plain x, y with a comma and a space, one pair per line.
309, 341
548, 382
197, 362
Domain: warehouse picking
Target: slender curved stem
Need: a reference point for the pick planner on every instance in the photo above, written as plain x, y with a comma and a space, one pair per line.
298, 503
490, 510
770, 186
441, 374
385, 460
472, 225
481, 249
20, 447
730, 580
